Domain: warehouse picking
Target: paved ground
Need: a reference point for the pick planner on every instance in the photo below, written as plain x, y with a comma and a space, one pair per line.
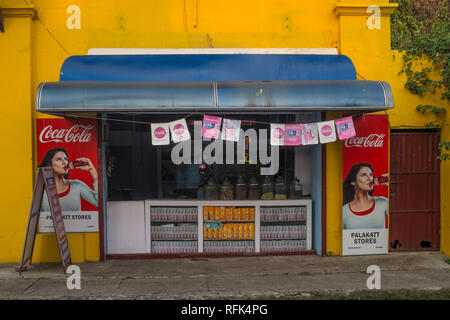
226, 278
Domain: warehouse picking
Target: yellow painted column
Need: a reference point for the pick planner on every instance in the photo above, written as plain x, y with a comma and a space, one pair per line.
16, 129
364, 37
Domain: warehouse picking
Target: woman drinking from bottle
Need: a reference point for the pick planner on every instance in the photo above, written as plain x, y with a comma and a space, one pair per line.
70, 192
361, 209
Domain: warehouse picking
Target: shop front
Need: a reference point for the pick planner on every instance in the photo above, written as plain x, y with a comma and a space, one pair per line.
204, 154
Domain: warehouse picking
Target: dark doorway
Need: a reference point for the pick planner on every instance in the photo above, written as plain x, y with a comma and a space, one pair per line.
414, 191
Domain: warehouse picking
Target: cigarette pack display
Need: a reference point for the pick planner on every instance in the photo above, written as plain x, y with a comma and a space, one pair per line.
283, 245
169, 247
173, 213
174, 232
283, 232
283, 213
229, 246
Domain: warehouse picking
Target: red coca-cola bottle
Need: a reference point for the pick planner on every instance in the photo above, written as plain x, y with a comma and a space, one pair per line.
76, 164
379, 180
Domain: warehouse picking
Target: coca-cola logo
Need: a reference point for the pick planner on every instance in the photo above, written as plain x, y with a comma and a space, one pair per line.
76, 134
278, 133
371, 141
160, 132
178, 129
326, 130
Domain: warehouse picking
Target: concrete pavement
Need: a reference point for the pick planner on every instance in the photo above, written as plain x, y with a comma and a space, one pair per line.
226, 278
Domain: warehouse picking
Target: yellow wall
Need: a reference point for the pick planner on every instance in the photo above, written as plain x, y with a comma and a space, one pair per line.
37, 41
15, 132
374, 60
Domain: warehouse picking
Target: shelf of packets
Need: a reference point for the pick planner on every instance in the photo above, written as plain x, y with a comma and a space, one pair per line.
229, 213
174, 247
228, 246
283, 214
283, 232
283, 245
173, 213
228, 231
187, 232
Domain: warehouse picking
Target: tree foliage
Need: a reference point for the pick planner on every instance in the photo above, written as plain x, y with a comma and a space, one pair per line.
421, 29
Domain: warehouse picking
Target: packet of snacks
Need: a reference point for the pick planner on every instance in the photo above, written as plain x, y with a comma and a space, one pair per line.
237, 215
205, 232
251, 213
222, 213
244, 214
216, 213
251, 231
224, 231
205, 213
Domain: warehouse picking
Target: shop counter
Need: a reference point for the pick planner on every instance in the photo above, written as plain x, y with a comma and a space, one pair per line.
214, 226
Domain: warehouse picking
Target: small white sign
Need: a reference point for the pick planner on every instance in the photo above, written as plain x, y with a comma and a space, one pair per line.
74, 221
364, 241
327, 131
179, 131
277, 134
160, 134
231, 130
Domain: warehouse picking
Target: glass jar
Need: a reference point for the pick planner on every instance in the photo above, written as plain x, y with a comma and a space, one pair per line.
267, 189
254, 192
211, 190
280, 189
295, 189
241, 189
226, 190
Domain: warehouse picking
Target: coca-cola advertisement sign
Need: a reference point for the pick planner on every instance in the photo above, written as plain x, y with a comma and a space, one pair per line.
69, 147
371, 141
365, 211
76, 133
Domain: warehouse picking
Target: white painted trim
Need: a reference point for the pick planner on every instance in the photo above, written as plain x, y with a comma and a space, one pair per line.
153, 51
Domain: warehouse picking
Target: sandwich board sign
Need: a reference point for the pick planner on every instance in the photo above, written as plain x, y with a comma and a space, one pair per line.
45, 179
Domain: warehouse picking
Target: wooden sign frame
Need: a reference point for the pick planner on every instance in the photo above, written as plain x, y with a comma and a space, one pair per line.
45, 180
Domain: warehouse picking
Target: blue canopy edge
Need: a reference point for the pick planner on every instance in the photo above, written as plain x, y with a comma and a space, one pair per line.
254, 96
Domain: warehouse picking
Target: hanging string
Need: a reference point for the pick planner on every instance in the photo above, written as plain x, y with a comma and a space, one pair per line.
149, 123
